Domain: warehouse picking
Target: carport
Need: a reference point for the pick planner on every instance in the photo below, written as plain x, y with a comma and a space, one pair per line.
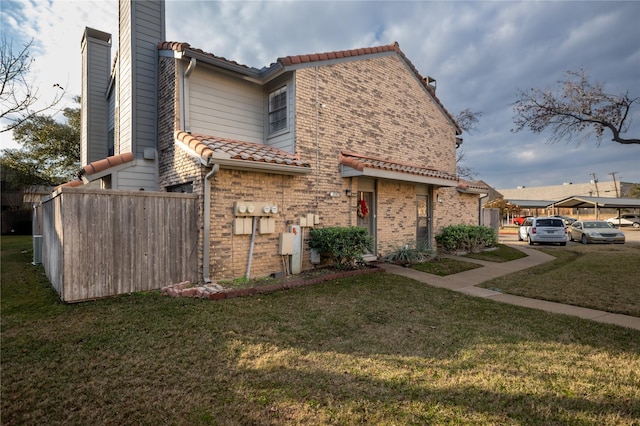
531, 206
597, 203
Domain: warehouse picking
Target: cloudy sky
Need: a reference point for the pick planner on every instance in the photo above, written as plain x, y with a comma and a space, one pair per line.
479, 52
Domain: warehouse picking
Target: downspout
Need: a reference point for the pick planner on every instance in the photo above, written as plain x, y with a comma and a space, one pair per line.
253, 240
206, 237
317, 142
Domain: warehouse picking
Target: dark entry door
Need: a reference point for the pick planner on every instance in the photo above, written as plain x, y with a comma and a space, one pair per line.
366, 215
423, 236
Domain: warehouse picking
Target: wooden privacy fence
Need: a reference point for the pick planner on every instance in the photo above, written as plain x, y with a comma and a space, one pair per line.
98, 243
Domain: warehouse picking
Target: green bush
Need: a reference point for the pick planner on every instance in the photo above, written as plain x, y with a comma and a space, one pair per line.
470, 238
344, 246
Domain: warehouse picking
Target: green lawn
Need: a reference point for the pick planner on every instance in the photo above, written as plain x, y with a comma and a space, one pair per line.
603, 277
375, 349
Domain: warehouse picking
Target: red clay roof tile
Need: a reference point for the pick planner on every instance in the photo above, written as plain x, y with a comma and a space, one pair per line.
106, 163
360, 162
309, 58
70, 184
466, 184
206, 146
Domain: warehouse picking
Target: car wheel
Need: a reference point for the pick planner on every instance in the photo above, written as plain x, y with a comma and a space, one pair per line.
636, 225
563, 244
583, 240
530, 240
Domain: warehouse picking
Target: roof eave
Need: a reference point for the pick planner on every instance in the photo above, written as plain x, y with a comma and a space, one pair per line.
249, 73
347, 171
263, 167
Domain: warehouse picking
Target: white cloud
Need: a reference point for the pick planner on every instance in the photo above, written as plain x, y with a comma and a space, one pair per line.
479, 52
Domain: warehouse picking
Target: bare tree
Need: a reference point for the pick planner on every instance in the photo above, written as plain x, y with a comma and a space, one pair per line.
18, 95
577, 107
466, 120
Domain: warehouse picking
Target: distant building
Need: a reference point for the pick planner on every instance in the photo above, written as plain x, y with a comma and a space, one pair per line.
559, 192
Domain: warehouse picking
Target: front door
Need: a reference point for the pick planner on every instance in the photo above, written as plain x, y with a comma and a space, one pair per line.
366, 215
423, 237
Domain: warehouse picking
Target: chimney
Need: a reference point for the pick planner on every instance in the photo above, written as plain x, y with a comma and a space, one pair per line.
141, 27
431, 82
96, 61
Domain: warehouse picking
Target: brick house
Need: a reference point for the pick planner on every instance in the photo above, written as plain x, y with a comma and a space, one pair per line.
348, 138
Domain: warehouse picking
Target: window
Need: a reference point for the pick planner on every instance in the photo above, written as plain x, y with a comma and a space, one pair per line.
278, 110
110, 142
185, 188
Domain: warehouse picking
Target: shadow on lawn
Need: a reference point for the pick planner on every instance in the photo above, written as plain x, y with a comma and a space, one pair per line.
377, 348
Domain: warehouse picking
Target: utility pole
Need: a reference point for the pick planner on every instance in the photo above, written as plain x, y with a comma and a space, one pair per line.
614, 183
595, 182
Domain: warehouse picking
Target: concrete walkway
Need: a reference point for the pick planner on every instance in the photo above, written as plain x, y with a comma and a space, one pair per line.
465, 282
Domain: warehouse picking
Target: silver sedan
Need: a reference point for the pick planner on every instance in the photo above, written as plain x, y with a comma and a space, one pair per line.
594, 231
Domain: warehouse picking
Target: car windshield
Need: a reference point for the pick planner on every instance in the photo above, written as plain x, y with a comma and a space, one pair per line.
550, 222
598, 224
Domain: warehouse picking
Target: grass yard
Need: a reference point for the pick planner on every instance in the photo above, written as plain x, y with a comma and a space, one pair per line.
374, 349
503, 253
603, 277
444, 266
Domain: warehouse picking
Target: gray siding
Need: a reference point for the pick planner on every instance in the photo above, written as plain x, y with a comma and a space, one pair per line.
284, 141
141, 176
223, 106
125, 106
141, 28
96, 58
148, 31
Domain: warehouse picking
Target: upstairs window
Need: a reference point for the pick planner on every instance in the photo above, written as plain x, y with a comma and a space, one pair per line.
278, 110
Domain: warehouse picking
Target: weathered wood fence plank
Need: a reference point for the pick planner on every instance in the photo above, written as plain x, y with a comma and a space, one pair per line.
99, 243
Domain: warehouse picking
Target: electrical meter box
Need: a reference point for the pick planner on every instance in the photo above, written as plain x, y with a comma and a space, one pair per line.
267, 225
286, 243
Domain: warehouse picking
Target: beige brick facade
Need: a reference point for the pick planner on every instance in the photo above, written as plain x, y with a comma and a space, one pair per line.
373, 107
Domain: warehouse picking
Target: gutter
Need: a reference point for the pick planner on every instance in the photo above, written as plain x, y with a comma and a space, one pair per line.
206, 237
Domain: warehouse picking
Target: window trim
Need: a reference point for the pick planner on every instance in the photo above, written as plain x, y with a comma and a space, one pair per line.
284, 88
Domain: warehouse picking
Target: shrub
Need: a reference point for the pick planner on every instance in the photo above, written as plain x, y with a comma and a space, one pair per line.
409, 254
471, 238
344, 246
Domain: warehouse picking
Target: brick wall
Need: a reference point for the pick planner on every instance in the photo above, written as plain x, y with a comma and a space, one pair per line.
374, 107
456, 208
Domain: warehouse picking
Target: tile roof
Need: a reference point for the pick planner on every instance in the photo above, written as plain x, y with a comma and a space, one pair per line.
359, 162
472, 186
209, 147
97, 167
301, 59
182, 47
316, 57
71, 184
106, 163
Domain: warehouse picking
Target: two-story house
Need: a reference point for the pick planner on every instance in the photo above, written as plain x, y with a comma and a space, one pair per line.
348, 138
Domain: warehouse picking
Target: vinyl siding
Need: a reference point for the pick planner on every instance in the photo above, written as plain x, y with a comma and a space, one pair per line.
94, 106
286, 140
226, 107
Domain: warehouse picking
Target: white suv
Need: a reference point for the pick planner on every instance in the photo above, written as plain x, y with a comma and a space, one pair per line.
543, 230
625, 220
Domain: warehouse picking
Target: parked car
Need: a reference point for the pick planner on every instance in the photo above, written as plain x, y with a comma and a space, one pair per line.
543, 230
625, 220
567, 220
595, 231
519, 220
